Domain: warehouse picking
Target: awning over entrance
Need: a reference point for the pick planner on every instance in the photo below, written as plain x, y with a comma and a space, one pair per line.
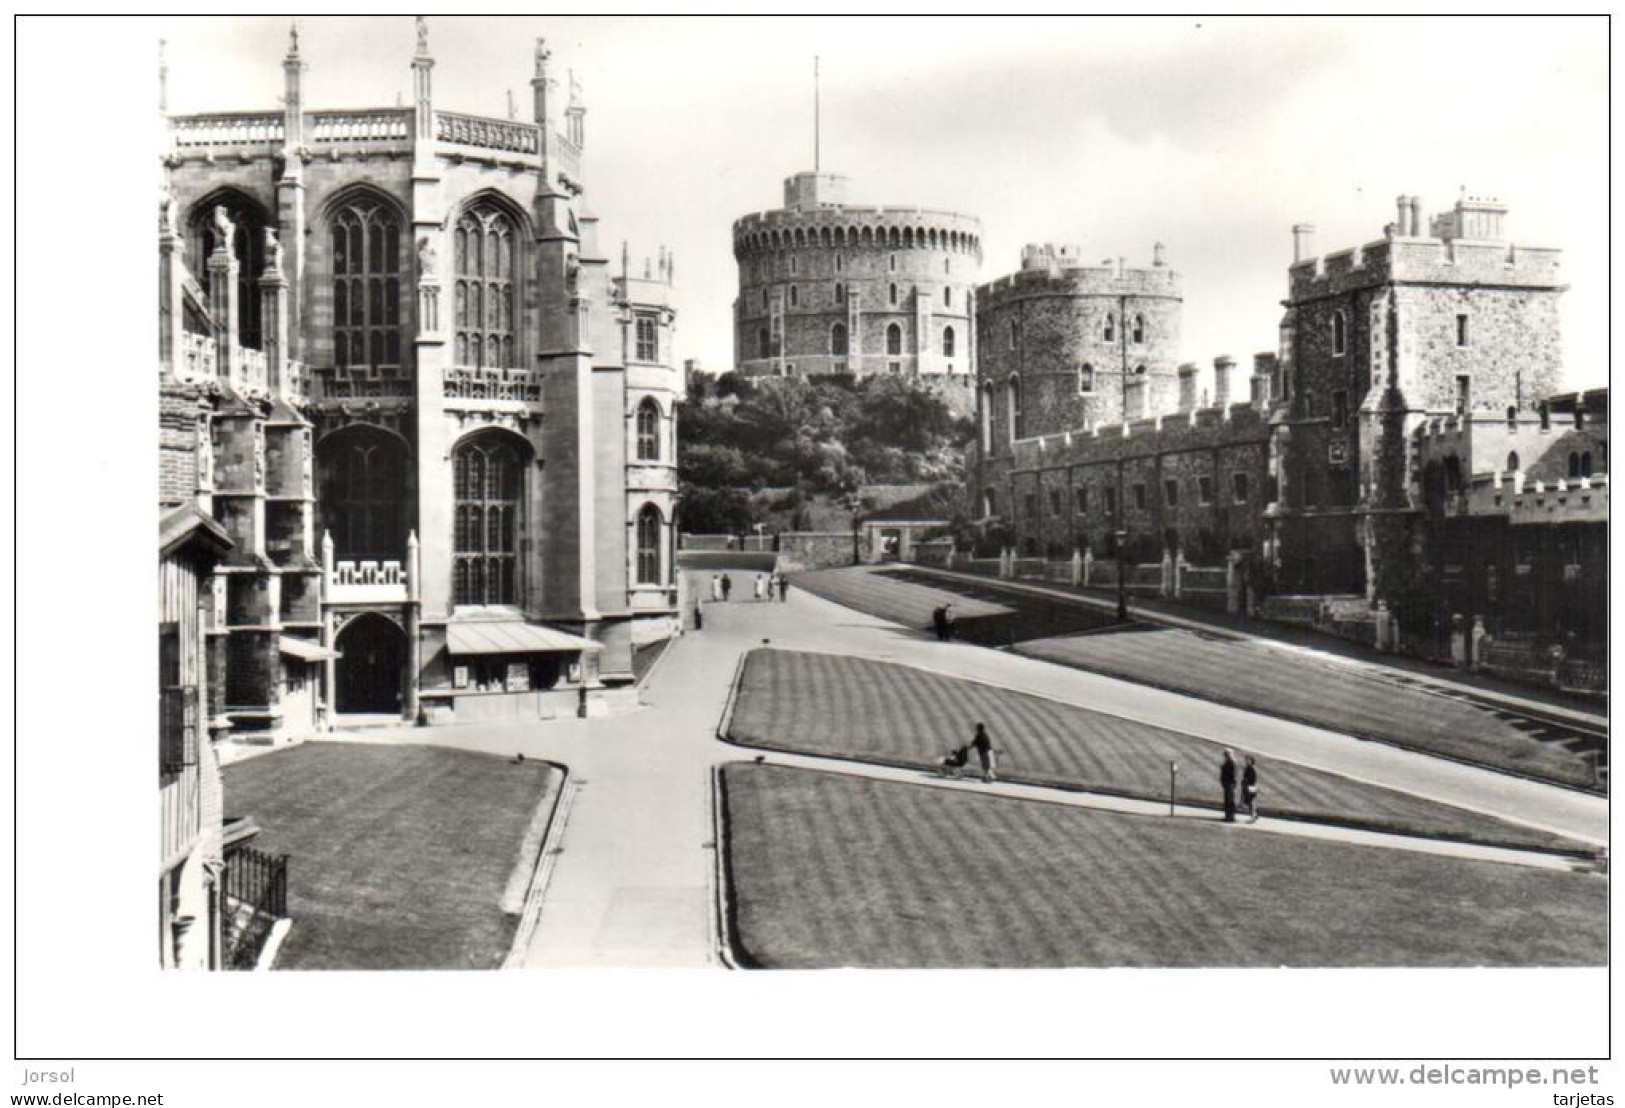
304, 649
512, 636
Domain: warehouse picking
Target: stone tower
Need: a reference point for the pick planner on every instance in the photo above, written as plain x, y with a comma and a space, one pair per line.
827, 287
1439, 317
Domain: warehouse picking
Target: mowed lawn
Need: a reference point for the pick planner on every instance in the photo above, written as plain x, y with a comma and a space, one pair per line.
399, 854
884, 712
1325, 694
884, 596
827, 870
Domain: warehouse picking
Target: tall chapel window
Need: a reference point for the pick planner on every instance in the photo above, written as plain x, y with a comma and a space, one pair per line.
648, 339
366, 285
648, 431
649, 523
488, 483
485, 288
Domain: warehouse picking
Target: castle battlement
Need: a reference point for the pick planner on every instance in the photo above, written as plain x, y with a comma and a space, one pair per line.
1204, 427
855, 227
1086, 281
1462, 246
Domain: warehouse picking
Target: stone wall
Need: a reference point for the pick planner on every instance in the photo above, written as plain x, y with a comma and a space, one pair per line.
799, 550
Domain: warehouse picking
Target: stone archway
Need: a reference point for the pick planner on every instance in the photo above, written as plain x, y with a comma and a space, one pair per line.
370, 673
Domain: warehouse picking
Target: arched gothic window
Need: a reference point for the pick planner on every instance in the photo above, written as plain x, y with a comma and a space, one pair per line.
1512, 462
1574, 464
489, 485
366, 284
363, 476
764, 344
837, 340
947, 342
894, 339
649, 527
793, 300
648, 430
1109, 332
1139, 328
248, 242
1017, 421
485, 288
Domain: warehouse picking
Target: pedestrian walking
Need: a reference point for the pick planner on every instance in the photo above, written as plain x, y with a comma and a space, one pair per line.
716, 587
1227, 782
948, 622
1249, 789
983, 745
784, 589
939, 623
727, 586
761, 586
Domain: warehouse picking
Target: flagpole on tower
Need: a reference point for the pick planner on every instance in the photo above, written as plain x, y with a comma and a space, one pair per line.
816, 127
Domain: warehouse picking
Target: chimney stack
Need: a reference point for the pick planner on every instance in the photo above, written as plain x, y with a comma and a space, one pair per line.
1187, 387
1222, 365
1416, 216
1159, 255
1303, 242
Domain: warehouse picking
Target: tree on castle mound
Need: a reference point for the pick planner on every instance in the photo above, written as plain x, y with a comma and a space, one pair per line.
823, 438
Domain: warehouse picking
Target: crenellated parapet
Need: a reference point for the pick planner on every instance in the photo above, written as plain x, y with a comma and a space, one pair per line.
848, 227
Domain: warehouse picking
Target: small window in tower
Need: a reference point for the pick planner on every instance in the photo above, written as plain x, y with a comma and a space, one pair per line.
1574, 464
1170, 493
792, 265
648, 339
794, 299
1461, 330
839, 263
947, 265
1029, 504
894, 340
1340, 408
840, 293
1513, 464
1139, 496
1238, 487
837, 340
1110, 492
947, 342
764, 344
1204, 490
1109, 332
894, 296
764, 300
1055, 502
891, 260
1086, 378
1012, 334
1464, 394
1139, 329
1340, 334
1081, 498
947, 297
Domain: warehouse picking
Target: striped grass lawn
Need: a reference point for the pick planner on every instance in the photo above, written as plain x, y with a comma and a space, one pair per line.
827, 870
399, 854
886, 597
1321, 693
884, 712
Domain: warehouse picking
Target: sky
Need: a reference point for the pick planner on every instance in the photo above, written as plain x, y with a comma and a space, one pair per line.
1213, 136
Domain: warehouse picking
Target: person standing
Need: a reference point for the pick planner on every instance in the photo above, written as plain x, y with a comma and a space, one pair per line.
939, 623
1249, 789
983, 745
948, 622
716, 587
761, 586
727, 587
1227, 782
784, 589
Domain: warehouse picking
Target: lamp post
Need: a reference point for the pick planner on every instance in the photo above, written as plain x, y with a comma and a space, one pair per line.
1173, 778
1121, 538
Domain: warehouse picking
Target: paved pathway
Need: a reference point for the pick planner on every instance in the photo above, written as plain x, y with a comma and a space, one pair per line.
633, 882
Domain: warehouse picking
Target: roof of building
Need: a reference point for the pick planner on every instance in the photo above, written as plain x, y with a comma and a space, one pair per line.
189, 523
512, 636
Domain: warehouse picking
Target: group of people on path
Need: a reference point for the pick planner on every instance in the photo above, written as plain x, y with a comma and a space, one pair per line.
942, 620
1249, 787
765, 587
1229, 778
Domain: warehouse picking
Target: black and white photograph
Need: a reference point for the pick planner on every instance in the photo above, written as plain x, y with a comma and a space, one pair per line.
815, 537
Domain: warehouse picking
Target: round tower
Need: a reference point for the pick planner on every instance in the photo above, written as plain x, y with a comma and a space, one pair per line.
826, 287
1066, 346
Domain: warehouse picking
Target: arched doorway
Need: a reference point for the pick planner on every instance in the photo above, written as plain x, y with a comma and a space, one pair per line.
370, 670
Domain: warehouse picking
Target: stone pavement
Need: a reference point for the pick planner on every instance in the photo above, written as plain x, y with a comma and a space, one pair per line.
633, 882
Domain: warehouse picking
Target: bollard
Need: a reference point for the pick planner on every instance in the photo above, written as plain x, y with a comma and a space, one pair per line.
1173, 776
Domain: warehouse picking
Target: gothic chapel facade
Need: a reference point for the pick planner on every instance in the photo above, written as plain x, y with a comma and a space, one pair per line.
436, 420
